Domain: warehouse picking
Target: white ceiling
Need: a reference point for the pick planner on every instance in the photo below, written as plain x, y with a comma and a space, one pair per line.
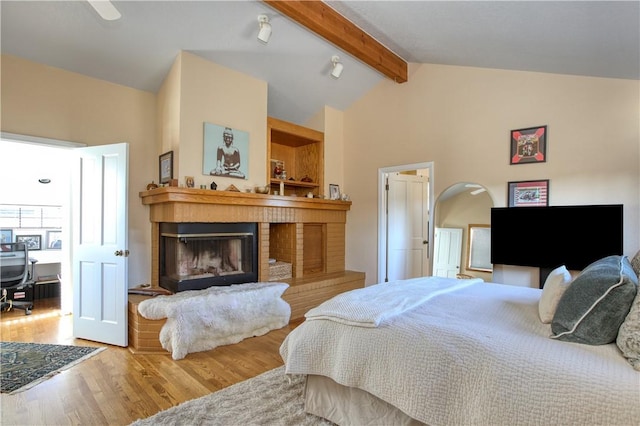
569, 37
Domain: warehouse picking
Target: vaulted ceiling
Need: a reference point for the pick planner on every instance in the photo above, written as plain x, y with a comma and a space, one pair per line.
590, 38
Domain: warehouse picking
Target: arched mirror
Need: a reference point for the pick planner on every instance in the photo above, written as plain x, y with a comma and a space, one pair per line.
462, 217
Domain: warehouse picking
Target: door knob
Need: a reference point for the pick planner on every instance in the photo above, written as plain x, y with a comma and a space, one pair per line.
425, 242
124, 253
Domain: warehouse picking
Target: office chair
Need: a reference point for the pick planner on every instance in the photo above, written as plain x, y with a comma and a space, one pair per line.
16, 279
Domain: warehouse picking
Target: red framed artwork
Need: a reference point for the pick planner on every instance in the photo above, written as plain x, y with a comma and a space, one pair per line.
529, 193
529, 145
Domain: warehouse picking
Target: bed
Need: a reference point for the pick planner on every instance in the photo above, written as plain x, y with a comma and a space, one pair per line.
443, 351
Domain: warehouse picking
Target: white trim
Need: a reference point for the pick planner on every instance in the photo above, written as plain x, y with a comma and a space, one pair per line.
36, 140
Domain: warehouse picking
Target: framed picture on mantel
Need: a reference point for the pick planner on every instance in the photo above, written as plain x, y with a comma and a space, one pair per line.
166, 167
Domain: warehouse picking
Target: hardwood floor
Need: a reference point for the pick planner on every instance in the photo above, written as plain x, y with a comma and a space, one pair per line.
116, 387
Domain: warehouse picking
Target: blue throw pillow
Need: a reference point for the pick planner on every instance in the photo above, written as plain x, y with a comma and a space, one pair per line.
596, 303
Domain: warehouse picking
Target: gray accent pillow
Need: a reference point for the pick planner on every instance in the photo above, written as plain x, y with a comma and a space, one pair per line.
635, 263
596, 303
629, 334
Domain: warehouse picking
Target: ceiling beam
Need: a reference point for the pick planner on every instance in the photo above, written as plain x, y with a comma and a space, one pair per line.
335, 28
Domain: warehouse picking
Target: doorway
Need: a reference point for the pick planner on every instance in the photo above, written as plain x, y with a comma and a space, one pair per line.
458, 209
37, 172
405, 229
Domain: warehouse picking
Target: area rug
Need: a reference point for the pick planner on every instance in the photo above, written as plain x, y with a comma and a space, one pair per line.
24, 365
271, 398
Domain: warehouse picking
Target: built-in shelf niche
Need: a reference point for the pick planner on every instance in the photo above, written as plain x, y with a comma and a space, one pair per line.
302, 151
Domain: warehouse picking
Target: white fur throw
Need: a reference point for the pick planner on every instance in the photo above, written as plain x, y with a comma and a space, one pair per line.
201, 320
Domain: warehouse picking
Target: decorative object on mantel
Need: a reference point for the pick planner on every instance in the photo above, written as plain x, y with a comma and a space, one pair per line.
232, 188
334, 192
261, 189
151, 186
214, 186
306, 179
529, 145
189, 181
166, 167
200, 320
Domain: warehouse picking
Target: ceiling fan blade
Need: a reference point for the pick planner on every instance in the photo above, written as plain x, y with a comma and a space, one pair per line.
105, 9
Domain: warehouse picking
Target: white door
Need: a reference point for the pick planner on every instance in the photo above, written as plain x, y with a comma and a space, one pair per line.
408, 226
99, 250
447, 252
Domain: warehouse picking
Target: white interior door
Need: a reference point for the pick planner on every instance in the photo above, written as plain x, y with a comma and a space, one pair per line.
408, 226
447, 252
99, 250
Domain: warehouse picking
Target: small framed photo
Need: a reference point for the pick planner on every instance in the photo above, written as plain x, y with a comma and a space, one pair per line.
529, 145
166, 167
189, 181
6, 235
54, 240
529, 193
277, 167
334, 191
33, 242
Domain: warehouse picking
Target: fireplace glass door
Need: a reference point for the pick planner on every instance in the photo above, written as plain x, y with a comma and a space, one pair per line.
197, 256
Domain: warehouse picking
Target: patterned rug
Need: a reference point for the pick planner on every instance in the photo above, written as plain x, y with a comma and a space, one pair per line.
24, 365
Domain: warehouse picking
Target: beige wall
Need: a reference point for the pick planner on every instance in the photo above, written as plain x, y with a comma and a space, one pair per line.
218, 95
460, 118
330, 121
48, 102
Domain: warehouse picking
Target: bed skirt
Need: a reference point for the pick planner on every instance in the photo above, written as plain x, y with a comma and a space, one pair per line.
344, 405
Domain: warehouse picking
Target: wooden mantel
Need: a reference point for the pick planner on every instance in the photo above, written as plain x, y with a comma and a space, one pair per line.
190, 196
180, 205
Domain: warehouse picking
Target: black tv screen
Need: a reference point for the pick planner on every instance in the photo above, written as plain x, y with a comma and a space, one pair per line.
548, 237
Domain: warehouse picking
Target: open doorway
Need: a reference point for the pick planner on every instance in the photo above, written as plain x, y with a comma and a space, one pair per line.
36, 204
405, 208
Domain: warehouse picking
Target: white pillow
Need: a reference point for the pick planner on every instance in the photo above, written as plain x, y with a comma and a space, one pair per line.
554, 286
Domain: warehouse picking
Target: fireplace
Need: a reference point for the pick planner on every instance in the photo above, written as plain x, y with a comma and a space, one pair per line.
195, 256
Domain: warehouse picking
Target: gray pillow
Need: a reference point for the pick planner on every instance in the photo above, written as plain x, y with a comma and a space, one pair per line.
629, 334
596, 303
635, 263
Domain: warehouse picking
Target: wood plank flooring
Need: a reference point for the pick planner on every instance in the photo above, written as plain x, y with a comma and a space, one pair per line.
116, 387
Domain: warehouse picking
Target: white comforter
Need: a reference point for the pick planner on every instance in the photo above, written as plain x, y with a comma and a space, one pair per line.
477, 355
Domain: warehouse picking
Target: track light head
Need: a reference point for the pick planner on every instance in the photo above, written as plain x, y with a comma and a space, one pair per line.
265, 28
105, 9
337, 67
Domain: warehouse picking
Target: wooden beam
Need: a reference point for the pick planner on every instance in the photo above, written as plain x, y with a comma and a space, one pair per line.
335, 28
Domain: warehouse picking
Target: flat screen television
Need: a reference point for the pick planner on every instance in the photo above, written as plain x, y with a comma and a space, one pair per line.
548, 237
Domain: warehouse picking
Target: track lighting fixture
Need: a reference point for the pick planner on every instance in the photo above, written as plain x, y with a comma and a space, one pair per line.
337, 67
265, 28
105, 9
